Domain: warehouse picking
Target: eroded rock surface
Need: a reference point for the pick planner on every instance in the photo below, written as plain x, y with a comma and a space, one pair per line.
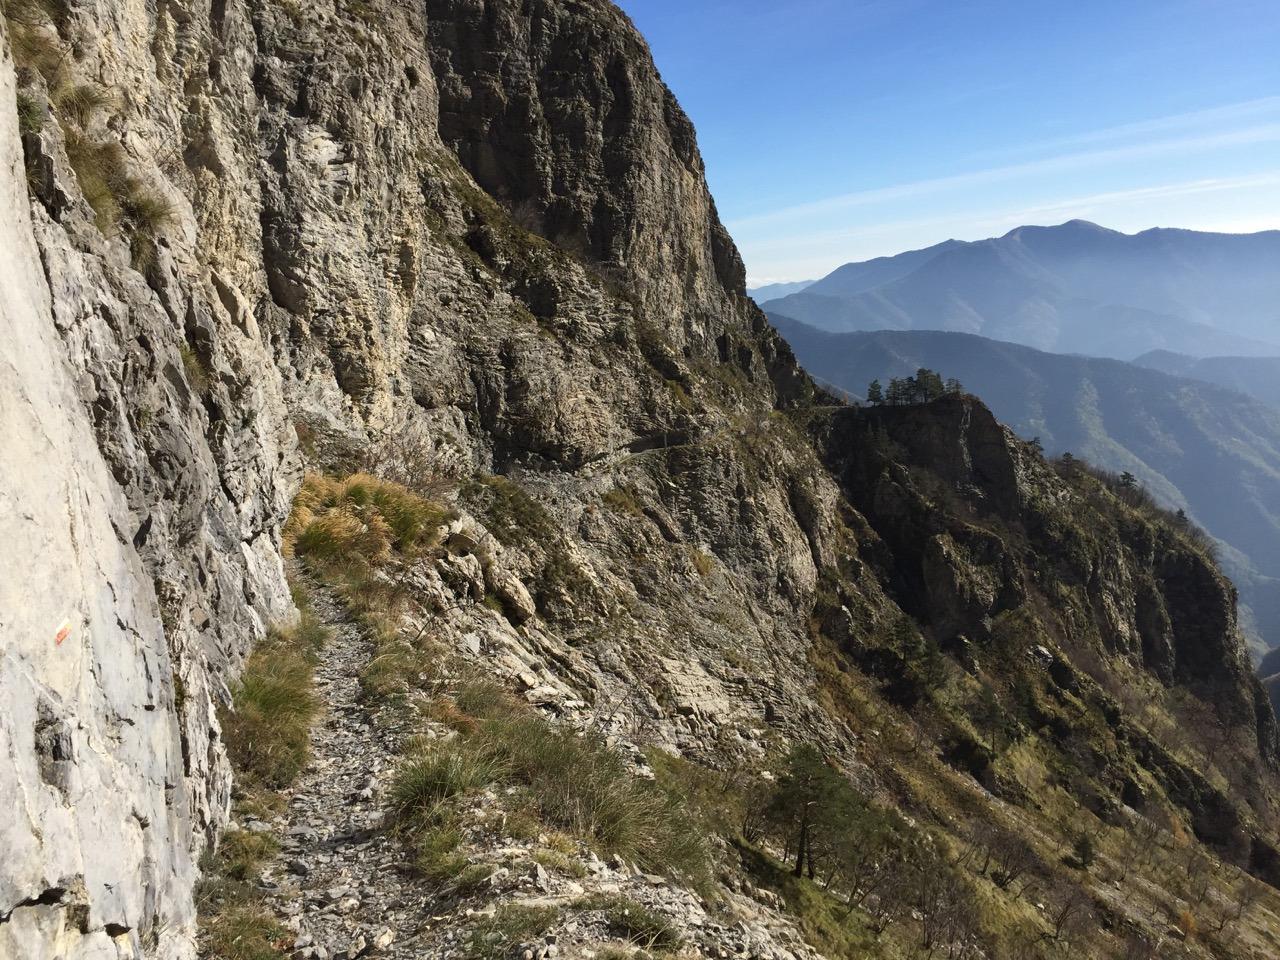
481, 228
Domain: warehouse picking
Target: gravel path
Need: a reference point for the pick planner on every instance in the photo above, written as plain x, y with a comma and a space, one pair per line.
343, 885
342, 882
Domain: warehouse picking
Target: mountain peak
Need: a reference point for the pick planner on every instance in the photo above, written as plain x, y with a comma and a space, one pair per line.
1076, 287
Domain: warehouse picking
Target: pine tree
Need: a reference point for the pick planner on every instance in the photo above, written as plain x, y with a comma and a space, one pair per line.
897, 392
875, 393
803, 802
928, 385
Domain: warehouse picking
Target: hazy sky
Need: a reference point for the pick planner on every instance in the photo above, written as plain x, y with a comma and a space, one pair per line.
836, 130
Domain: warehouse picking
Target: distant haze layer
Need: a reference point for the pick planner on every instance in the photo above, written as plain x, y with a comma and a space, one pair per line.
1072, 288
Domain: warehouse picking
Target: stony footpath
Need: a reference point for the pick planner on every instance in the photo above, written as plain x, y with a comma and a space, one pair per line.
340, 882
343, 884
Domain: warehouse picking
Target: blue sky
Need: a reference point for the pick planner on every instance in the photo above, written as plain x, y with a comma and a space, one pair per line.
838, 130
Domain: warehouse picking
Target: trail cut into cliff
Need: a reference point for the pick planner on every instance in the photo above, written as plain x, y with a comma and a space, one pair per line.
420, 545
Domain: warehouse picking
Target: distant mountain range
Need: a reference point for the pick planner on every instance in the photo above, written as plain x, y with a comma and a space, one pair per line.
1259, 377
1211, 451
1073, 288
774, 291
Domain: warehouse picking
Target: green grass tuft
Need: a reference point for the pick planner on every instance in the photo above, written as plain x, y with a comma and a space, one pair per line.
234, 923
196, 370
122, 204
31, 114
440, 773
242, 853
569, 782
512, 925
634, 922
273, 704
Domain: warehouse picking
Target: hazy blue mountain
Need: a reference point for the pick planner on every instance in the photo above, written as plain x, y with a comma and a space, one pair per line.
774, 291
1210, 451
1257, 376
1073, 288
854, 278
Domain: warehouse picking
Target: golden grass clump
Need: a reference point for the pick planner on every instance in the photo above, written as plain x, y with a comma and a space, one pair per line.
359, 520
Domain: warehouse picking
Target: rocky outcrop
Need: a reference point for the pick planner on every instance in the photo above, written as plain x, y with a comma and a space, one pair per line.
975, 523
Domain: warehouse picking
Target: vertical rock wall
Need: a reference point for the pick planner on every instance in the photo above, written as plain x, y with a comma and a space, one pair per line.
97, 823
133, 574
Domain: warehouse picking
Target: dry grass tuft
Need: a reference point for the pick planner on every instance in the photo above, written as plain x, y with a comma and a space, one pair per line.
570, 782
79, 103
348, 531
360, 520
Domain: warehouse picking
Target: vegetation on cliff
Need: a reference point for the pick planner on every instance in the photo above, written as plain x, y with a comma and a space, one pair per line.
786, 674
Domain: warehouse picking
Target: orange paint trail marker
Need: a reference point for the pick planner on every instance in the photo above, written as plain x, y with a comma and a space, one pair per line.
64, 631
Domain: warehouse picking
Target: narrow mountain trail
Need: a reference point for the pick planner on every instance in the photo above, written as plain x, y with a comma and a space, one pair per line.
342, 883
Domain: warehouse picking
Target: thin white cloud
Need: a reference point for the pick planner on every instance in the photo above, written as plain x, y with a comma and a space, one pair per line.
824, 241
1261, 107
1250, 135
1163, 191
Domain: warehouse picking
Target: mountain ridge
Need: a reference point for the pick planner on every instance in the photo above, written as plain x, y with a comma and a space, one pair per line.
1071, 288
1115, 415
1257, 376
416, 323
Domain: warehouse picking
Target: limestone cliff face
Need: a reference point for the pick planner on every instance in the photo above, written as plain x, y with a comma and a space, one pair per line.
328, 265
140, 561
481, 225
